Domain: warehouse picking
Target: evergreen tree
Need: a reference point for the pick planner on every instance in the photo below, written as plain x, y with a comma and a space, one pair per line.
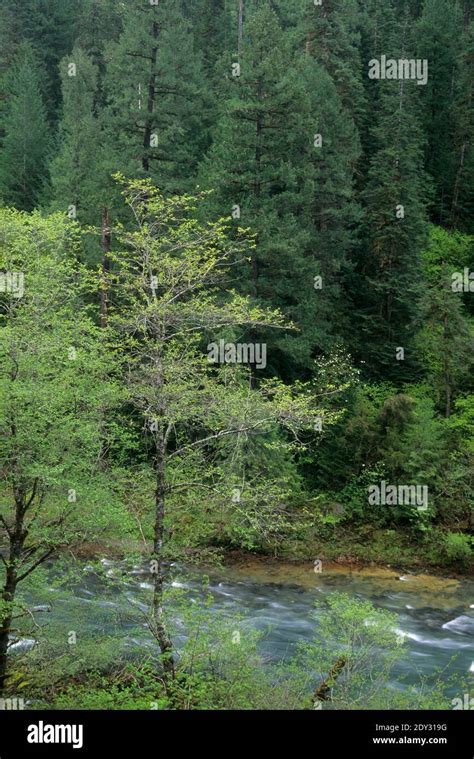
98, 22
11, 31
332, 37
462, 206
26, 140
386, 287
268, 167
48, 25
79, 177
211, 24
437, 41
332, 214
446, 338
152, 87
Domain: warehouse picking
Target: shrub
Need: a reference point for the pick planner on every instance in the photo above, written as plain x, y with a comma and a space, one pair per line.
457, 548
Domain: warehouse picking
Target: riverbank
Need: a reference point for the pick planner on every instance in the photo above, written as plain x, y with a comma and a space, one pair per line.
305, 573
365, 549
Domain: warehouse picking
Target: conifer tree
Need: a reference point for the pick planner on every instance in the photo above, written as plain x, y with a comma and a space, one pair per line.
437, 40
153, 91
331, 36
211, 24
48, 25
386, 286
462, 205
26, 138
79, 177
98, 22
281, 164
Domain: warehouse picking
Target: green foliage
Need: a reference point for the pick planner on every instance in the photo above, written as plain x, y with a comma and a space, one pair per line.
446, 339
458, 548
53, 367
386, 288
154, 111
437, 40
48, 28
264, 162
369, 643
335, 222
26, 140
462, 422
54, 394
76, 179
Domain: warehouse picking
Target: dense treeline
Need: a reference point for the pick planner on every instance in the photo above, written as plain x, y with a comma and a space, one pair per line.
358, 193
181, 177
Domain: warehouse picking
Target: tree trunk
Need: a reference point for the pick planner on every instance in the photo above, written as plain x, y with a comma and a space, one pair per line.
322, 693
159, 627
259, 126
104, 293
150, 106
241, 26
447, 371
16, 537
8, 596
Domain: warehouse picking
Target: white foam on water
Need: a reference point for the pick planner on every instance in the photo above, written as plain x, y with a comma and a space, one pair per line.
461, 624
24, 644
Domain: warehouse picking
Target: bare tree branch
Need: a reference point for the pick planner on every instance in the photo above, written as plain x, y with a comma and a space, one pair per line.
35, 564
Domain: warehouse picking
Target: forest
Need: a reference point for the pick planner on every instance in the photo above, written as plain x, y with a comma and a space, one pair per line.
236, 355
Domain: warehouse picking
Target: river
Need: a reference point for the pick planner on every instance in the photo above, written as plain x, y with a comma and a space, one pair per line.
435, 614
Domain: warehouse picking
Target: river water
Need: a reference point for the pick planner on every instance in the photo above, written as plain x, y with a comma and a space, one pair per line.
435, 615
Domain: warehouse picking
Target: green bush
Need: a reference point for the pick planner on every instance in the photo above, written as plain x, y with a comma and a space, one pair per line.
457, 548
